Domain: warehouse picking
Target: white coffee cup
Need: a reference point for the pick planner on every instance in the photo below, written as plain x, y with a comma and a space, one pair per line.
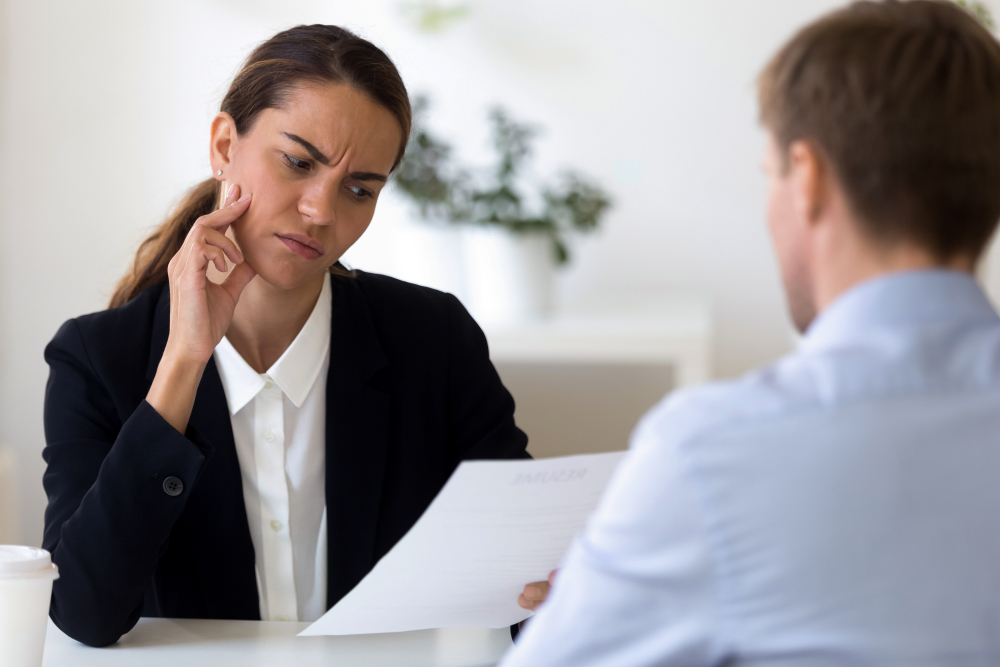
26, 576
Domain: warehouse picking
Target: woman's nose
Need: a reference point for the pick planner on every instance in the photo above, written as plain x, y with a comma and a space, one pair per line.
318, 203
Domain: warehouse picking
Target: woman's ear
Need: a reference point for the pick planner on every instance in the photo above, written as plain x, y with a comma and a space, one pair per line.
221, 143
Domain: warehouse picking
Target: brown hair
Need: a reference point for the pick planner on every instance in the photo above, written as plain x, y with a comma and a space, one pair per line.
313, 53
903, 101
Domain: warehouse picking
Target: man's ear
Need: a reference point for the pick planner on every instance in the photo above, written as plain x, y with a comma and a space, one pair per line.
221, 141
809, 174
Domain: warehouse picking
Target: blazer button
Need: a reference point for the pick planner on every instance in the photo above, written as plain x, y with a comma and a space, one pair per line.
172, 486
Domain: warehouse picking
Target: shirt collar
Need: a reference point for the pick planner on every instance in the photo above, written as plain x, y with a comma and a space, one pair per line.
294, 372
899, 300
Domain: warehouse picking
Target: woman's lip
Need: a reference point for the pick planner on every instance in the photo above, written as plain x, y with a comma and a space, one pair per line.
302, 245
300, 249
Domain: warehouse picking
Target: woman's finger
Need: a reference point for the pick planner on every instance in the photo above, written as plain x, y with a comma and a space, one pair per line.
218, 258
227, 215
181, 259
220, 240
537, 591
534, 594
231, 195
202, 255
240, 277
231, 198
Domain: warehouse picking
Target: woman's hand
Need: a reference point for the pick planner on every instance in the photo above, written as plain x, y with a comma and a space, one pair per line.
535, 593
200, 310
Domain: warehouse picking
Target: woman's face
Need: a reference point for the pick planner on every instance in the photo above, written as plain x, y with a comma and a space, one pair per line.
314, 168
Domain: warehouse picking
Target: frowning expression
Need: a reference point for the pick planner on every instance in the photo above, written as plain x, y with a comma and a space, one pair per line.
315, 168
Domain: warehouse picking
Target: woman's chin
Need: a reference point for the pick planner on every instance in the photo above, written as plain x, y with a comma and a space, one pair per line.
288, 278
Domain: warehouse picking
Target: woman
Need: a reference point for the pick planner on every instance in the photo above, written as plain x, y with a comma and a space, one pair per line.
250, 427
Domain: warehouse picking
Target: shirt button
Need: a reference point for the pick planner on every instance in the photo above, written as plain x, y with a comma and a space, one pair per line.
172, 486
282, 618
268, 436
275, 526
268, 385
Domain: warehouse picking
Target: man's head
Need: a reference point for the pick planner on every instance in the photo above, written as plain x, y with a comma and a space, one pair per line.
884, 123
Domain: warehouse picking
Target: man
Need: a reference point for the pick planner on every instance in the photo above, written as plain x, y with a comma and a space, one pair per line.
841, 507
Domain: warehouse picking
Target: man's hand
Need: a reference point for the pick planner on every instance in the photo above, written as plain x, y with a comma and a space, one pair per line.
535, 593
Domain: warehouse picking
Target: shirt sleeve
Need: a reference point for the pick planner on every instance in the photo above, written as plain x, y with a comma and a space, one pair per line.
638, 587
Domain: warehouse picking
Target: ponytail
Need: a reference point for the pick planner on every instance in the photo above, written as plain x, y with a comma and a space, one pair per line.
158, 249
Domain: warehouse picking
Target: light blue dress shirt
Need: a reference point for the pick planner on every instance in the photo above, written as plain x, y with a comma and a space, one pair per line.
841, 507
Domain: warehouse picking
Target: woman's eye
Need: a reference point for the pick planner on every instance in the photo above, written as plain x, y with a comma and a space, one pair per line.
295, 163
359, 192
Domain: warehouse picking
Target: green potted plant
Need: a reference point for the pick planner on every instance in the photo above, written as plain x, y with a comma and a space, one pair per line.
515, 234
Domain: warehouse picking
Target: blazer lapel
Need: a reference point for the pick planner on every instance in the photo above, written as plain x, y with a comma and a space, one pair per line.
357, 436
215, 517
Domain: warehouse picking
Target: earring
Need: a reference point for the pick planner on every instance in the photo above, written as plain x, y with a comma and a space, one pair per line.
218, 173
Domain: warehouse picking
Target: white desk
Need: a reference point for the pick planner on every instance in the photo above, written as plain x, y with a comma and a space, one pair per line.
671, 331
157, 642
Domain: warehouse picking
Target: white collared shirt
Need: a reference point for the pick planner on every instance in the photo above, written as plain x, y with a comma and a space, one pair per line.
279, 425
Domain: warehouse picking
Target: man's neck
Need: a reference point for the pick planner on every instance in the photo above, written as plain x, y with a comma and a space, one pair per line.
865, 261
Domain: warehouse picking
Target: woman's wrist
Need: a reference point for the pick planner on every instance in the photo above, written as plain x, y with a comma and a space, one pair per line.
174, 388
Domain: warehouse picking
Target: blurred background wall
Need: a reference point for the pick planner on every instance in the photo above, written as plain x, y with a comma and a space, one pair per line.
104, 110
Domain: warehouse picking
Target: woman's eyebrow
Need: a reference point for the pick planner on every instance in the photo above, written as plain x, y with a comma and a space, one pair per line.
368, 176
322, 159
313, 151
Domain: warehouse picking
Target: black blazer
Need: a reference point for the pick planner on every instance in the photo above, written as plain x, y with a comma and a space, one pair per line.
410, 393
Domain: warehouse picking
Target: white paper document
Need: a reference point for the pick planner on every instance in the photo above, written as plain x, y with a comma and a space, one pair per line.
494, 527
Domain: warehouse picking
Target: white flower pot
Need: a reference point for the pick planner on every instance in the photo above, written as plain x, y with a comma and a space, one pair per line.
508, 277
431, 255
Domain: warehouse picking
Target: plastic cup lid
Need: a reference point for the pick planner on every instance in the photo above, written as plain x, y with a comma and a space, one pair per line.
18, 562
